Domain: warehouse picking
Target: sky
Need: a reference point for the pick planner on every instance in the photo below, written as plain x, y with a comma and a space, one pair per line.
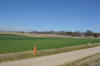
43, 15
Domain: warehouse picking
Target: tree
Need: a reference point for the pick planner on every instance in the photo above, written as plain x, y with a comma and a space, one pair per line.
22, 31
78, 33
89, 33
96, 34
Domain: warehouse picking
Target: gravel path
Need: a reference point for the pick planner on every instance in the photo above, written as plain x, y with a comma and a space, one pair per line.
54, 60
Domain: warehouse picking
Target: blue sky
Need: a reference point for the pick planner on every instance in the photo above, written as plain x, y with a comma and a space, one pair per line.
68, 15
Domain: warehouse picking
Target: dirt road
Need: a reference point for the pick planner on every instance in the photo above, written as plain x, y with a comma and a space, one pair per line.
54, 60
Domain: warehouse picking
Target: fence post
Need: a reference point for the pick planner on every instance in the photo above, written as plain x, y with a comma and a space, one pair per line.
34, 50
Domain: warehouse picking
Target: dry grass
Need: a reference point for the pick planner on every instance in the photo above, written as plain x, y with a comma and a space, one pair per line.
88, 61
29, 54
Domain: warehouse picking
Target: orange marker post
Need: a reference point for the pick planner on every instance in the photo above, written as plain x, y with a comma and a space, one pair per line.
34, 50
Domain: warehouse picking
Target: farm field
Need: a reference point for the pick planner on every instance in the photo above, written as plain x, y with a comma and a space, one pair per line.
14, 43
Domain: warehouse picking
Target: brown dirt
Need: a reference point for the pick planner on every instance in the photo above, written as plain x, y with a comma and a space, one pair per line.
54, 60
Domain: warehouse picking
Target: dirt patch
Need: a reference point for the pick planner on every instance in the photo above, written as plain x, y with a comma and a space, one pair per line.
54, 60
93, 60
96, 64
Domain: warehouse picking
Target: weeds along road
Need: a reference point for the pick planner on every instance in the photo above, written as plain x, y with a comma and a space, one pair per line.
54, 60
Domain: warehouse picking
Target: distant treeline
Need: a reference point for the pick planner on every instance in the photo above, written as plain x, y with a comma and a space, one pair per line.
88, 33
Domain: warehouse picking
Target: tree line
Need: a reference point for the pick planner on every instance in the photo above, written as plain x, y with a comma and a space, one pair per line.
70, 33
87, 33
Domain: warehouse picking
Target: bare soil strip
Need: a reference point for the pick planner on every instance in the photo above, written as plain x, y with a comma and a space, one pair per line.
54, 60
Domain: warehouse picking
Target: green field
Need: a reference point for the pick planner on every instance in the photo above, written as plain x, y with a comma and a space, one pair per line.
14, 43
